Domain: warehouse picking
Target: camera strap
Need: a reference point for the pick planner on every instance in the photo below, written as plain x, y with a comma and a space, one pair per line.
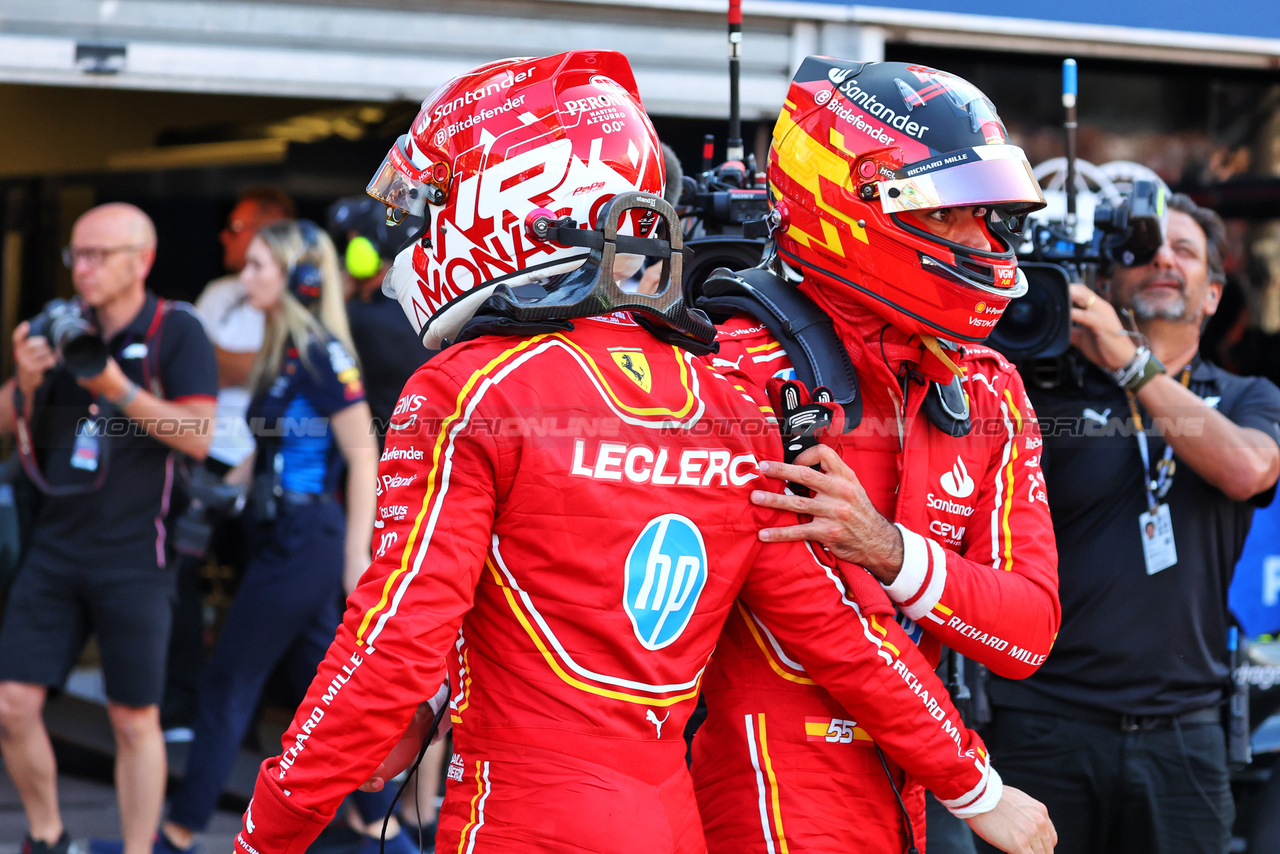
151, 380
1157, 485
31, 465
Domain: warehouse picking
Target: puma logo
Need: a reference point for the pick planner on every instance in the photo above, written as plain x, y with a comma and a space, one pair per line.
725, 363
1093, 415
629, 367
653, 719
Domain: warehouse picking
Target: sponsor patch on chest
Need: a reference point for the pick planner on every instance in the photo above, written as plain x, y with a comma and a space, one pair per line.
659, 466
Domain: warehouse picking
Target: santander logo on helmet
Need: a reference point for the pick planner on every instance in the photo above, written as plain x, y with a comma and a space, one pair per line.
563, 133
858, 149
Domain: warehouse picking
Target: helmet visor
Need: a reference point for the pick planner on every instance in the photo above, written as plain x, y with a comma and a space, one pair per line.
991, 175
401, 183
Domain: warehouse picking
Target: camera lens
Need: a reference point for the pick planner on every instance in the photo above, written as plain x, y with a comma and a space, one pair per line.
1037, 325
85, 355
1021, 315
706, 254
83, 352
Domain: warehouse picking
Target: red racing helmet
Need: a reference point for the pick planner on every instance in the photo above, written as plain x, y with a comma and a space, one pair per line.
857, 146
563, 134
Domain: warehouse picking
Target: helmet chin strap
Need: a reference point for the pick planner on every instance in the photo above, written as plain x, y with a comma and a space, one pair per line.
933, 346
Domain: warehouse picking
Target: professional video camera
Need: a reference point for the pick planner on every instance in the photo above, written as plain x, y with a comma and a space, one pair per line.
1125, 229
725, 207
76, 341
1095, 217
722, 211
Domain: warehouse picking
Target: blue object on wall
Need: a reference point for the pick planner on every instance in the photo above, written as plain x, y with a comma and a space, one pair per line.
1228, 17
1255, 591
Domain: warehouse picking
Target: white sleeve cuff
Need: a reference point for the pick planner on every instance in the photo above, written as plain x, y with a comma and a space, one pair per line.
968, 807
440, 698
919, 584
439, 703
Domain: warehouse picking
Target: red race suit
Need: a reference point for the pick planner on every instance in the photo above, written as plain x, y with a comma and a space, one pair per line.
565, 526
979, 575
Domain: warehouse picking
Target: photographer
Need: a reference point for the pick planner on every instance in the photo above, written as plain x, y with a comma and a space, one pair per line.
123, 383
1119, 732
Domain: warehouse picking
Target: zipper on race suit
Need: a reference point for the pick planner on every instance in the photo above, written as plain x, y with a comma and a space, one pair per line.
900, 413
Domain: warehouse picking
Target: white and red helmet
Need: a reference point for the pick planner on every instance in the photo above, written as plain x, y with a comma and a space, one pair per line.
858, 145
562, 133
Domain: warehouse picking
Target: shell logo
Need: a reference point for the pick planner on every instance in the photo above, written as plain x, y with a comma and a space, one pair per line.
980, 307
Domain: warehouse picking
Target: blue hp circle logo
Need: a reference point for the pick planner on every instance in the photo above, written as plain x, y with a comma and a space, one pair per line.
666, 573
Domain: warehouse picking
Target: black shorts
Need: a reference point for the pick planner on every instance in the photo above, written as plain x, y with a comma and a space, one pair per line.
52, 608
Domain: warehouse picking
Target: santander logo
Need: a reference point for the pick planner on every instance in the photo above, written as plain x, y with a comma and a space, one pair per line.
957, 482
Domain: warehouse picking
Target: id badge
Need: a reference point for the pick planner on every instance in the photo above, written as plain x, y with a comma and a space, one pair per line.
85, 451
1157, 539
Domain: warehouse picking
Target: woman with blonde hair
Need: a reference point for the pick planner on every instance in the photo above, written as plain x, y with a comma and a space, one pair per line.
309, 417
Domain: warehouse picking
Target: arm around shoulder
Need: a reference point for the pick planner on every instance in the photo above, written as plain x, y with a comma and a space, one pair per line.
850, 644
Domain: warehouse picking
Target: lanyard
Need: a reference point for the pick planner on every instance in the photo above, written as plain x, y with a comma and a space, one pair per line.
1158, 487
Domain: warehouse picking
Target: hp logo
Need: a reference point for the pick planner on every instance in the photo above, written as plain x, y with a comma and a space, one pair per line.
666, 572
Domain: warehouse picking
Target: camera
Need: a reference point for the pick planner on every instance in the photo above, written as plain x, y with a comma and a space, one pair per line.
76, 341
1038, 324
1132, 231
724, 199
724, 213
210, 499
1127, 229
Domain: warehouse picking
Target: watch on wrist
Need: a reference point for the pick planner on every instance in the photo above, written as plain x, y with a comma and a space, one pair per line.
1151, 369
1135, 371
1142, 369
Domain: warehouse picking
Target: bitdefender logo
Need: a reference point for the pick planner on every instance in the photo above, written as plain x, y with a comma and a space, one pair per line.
847, 85
957, 482
402, 454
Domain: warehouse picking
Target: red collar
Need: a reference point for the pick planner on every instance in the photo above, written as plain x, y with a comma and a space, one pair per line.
887, 350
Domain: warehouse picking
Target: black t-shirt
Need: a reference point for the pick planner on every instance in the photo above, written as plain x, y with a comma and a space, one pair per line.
121, 523
291, 419
388, 349
1131, 642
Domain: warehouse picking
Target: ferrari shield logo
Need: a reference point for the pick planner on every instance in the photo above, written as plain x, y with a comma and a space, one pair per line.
634, 365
